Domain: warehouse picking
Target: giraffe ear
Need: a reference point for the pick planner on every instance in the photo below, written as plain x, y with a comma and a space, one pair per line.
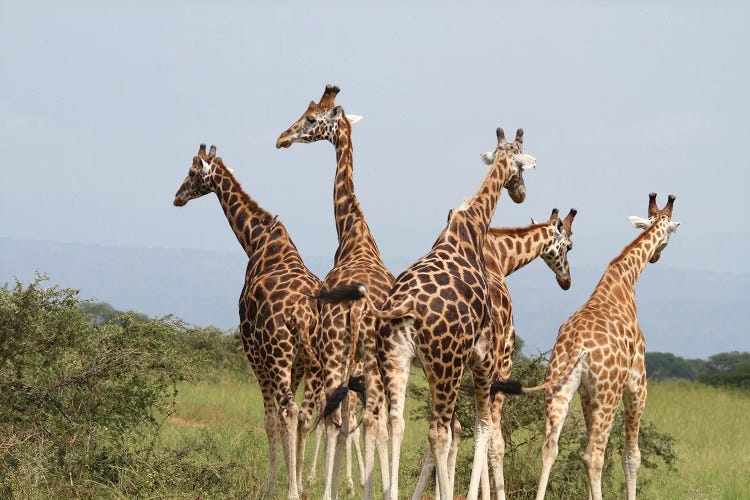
488, 157
206, 166
533, 221
639, 222
525, 162
353, 119
336, 113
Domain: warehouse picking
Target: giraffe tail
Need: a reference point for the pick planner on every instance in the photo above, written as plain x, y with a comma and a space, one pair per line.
356, 384
359, 291
515, 387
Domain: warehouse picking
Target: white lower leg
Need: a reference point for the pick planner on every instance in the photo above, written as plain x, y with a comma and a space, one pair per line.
358, 454
332, 434
481, 439
424, 476
484, 484
289, 443
319, 431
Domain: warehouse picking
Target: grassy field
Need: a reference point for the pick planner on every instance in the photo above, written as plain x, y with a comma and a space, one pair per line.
710, 426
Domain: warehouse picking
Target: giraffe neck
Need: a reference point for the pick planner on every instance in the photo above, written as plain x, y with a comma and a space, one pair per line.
626, 268
474, 220
246, 218
513, 248
351, 227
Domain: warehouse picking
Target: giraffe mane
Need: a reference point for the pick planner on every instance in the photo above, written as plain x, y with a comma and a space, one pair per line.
512, 231
251, 203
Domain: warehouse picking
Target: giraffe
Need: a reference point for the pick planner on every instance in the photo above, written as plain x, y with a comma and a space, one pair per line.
600, 352
357, 260
277, 314
507, 250
437, 310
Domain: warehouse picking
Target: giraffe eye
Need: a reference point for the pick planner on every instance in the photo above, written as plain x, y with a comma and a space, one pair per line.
310, 119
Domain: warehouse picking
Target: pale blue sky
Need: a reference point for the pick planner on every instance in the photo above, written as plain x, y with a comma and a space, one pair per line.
103, 106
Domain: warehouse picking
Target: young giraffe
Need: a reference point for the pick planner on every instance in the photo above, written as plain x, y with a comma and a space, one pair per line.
437, 310
277, 314
506, 251
600, 352
357, 260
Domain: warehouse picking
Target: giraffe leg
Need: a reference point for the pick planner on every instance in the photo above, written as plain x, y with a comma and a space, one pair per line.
455, 441
439, 435
289, 413
319, 431
635, 404
358, 454
483, 428
382, 440
557, 405
496, 453
484, 482
304, 424
352, 422
332, 435
342, 438
396, 373
271, 420
428, 466
602, 419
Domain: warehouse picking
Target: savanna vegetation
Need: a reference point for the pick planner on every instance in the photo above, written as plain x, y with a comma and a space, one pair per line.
97, 403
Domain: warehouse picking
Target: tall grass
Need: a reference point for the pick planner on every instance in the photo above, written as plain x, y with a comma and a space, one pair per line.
710, 426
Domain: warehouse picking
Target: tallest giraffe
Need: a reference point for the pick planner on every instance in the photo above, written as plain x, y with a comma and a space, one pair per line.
357, 260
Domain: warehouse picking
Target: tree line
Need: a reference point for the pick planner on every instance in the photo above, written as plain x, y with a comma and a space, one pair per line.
726, 369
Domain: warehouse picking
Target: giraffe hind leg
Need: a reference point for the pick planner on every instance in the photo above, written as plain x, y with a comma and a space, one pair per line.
635, 404
557, 404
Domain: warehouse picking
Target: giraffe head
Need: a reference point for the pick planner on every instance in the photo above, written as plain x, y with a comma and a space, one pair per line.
658, 217
198, 181
555, 253
513, 152
319, 122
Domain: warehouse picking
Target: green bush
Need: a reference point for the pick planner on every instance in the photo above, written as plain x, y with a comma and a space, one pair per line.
75, 394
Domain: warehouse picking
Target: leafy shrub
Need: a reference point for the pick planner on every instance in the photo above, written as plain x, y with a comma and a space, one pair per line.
74, 393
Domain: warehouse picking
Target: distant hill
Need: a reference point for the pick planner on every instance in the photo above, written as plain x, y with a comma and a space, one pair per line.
691, 313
